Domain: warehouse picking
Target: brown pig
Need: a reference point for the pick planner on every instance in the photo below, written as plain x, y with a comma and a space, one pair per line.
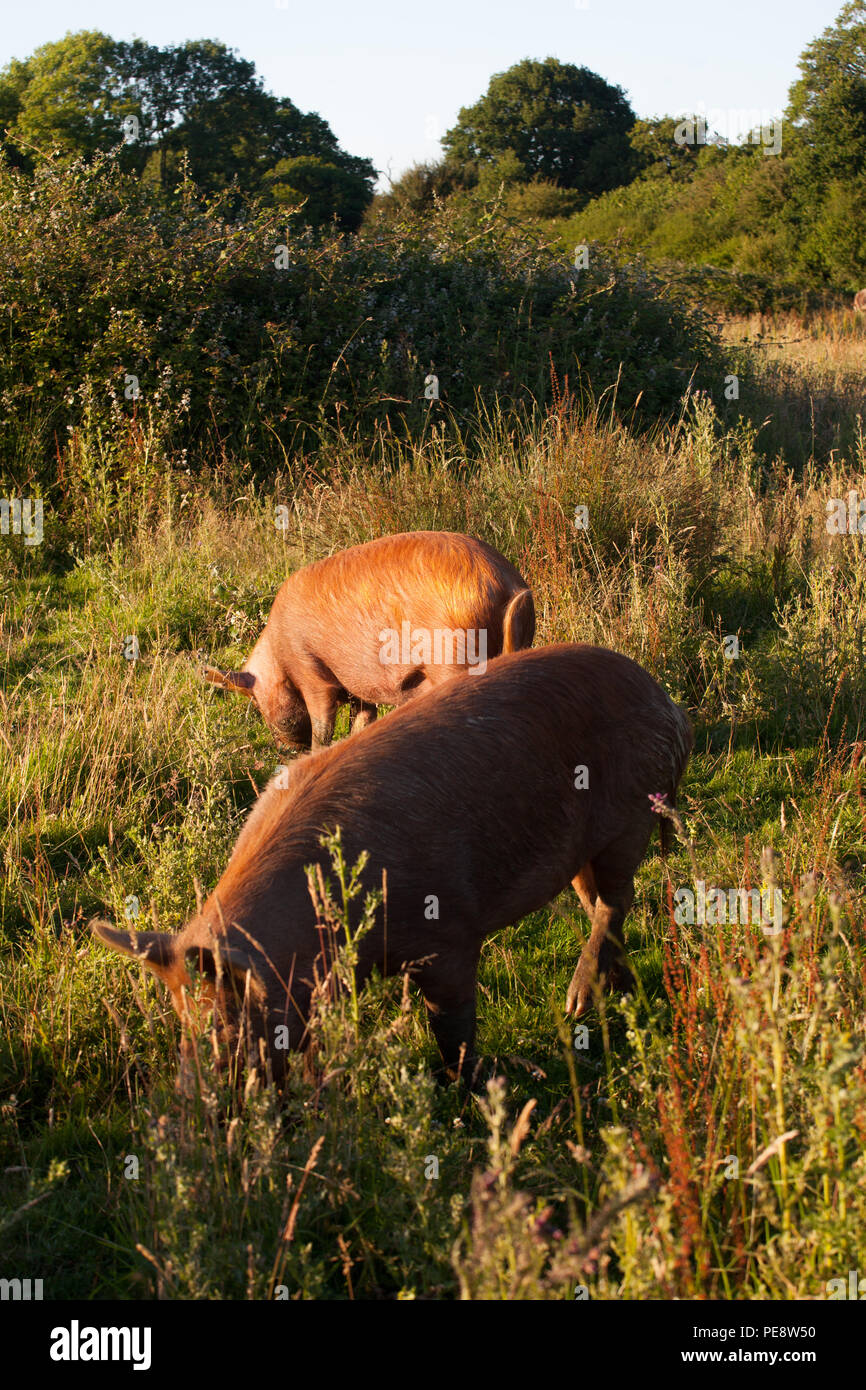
377, 624
482, 802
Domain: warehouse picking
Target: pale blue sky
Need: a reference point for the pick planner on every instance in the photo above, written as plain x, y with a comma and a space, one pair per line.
390, 75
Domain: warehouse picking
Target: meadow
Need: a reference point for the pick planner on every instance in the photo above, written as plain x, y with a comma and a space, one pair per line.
702, 1139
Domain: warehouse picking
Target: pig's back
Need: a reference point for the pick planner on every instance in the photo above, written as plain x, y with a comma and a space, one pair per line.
472, 794
431, 578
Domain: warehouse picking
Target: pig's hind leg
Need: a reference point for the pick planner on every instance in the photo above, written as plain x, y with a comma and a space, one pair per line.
604, 959
584, 886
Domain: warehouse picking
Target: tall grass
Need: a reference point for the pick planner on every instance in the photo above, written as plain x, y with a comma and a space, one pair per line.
708, 1139
803, 381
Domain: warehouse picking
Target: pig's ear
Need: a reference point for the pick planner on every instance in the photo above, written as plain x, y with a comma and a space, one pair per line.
240, 681
155, 949
225, 961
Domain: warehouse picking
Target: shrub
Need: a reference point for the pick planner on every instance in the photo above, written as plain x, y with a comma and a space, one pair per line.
261, 334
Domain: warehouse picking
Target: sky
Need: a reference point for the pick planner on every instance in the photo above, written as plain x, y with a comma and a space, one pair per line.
390, 76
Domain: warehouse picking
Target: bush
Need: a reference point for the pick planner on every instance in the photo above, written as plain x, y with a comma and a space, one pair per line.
261, 334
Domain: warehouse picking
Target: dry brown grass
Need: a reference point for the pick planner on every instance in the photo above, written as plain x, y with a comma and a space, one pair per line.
802, 381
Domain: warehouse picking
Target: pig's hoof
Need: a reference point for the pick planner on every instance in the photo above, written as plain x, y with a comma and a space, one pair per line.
579, 997
472, 1073
619, 976
611, 975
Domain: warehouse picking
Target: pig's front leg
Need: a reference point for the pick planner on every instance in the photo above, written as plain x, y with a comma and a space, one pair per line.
450, 1001
323, 732
321, 692
322, 709
361, 714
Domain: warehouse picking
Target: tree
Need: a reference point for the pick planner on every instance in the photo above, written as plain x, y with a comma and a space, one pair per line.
68, 96
561, 122
197, 102
13, 83
826, 145
326, 190
657, 154
827, 104
504, 172
419, 188
293, 135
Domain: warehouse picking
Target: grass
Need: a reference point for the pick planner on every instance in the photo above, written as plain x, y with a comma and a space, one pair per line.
804, 378
704, 1139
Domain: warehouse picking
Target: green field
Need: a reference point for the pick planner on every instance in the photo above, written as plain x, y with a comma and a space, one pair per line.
707, 1142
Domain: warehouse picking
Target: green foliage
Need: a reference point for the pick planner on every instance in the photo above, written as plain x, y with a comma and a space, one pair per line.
197, 105
709, 217
609, 1165
540, 200
326, 191
831, 246
827, 183
773, 223
235, 340
828, 104
418, 188
505, 171
69, 95
657, 154
561, 122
